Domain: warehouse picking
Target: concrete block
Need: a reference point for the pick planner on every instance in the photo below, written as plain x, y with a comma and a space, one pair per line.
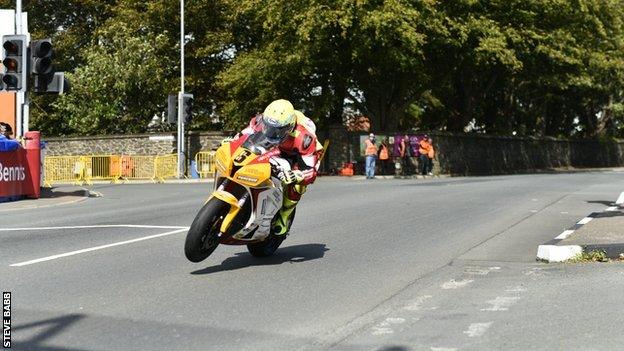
554, 253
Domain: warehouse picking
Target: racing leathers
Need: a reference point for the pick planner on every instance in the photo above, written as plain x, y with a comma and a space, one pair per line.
303, 152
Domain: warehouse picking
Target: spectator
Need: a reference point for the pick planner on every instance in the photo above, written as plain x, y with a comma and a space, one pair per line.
371, 155
405, 152
384, 157
426, 156
6, 144
6, 130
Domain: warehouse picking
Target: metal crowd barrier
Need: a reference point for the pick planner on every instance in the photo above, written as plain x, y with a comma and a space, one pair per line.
138, 167
166, 167
205, 163
115, 168
101, 167
63, 169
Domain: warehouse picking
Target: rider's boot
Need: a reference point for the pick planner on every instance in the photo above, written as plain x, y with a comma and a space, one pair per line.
291, 197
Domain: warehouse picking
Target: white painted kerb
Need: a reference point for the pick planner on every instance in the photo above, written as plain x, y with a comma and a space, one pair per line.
554, 253
620, 199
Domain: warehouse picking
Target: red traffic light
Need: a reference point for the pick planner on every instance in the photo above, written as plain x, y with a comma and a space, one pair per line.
11, 47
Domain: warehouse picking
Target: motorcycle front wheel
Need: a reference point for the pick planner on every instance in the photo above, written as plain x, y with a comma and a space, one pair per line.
203, 235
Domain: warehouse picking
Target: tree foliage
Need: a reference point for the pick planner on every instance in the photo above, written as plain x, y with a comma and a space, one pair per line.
528, 67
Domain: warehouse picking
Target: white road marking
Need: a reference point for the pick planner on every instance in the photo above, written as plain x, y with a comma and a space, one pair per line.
620, 199
395, 320
477, 329
565, 234
585, 220
443, 349
26, 263
384, 327
535, 271
456, 284
516, 289
534, 211
416, 304
564, 212
382, 331
95, 226
612, 208
480, 271
501, 303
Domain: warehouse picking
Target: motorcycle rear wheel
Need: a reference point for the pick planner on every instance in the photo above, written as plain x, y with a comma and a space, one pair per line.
268, 246
203, 235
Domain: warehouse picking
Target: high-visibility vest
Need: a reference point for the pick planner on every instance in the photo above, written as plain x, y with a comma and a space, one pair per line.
426, 148
383, 154
371, 149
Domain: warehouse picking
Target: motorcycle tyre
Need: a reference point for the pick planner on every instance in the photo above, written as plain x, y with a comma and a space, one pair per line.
206, 226
268, 246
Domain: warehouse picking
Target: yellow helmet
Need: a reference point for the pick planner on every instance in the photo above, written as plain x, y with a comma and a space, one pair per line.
278, 119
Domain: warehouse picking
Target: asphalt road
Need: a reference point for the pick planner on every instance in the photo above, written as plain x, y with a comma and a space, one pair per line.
443, 264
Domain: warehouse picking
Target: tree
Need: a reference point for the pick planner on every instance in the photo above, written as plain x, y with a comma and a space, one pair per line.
119, 88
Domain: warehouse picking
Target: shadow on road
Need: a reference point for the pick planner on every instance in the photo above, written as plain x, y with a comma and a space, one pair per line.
292, 254
607, 214
52, 327
51, 193
602, 202
393, 348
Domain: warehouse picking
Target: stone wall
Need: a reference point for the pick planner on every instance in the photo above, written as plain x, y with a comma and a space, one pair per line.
458, 154
137, 144
479, 154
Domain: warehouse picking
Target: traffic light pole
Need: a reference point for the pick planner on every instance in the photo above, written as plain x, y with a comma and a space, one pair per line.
181, 146
22, 108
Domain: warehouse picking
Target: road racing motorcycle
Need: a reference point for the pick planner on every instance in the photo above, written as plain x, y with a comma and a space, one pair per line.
246, 198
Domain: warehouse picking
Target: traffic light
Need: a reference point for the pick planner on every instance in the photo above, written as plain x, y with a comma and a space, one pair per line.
41, 68
187, 108
172, 109
14, 77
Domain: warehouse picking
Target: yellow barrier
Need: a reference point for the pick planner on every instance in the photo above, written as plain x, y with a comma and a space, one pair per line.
101, 167
85, 169
205, 163
63, 169
166, 167
138, 167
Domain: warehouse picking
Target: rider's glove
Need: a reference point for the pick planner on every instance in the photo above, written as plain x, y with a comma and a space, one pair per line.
290, 176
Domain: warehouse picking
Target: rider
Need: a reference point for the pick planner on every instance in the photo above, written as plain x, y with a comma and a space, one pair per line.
296, 136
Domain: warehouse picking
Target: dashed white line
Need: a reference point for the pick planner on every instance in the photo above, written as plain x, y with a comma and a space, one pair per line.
26, 263
477, 329
585, 220
565, 234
